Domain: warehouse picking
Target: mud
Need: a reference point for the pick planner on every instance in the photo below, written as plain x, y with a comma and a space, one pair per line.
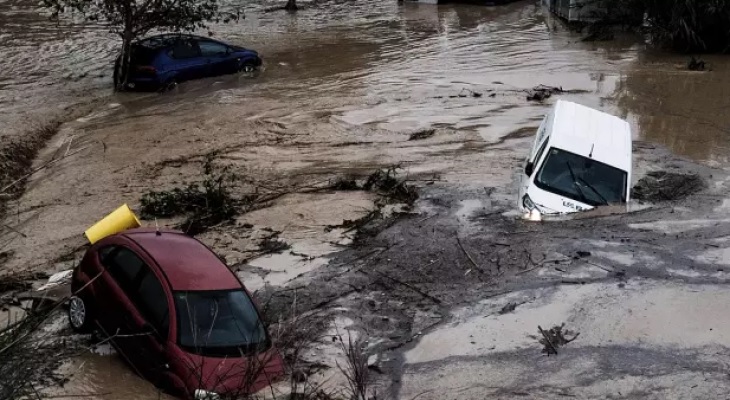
661, 186
427, 284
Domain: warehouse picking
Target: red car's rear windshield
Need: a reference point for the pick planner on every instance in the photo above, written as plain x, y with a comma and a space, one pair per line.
219, 323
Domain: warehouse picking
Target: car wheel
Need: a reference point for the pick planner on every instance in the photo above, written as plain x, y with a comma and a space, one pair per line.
79, 315
170, 85
247, 67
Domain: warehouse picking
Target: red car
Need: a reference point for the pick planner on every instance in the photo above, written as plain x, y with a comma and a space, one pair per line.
176, 313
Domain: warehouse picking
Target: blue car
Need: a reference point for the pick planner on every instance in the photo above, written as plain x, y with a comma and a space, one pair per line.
163, 61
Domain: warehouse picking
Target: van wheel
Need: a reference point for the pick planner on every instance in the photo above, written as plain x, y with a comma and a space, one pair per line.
79, 315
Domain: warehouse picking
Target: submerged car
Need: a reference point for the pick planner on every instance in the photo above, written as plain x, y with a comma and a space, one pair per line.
176, 313
581, 159
163, 61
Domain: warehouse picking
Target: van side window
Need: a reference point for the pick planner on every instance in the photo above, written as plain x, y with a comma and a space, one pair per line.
124, 266
541, 151
151, 301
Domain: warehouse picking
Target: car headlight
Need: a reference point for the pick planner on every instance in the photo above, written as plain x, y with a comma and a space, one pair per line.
528, 203
201, 394
535, 216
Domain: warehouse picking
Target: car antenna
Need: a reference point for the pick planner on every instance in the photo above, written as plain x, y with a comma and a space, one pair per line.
157, 228
591, 153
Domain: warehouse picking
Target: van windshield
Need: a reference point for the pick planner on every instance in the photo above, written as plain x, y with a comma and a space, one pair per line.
581, 179
219, 323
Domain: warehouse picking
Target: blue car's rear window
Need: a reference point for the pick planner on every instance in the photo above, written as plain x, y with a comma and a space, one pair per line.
143, 55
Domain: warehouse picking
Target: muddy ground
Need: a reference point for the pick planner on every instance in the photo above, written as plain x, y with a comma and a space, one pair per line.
449, 292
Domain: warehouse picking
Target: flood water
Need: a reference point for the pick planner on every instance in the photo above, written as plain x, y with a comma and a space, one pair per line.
373, 54
381, 64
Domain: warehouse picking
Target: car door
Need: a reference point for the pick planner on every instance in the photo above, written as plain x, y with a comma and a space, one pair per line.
218, 57
188, 62
153, 317
128, 285
112, 302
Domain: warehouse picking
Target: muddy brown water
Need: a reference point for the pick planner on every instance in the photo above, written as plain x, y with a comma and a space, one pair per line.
341, 68
415, 54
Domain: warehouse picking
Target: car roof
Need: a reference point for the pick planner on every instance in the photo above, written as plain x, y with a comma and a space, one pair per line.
187, 263
167, 39
582, 130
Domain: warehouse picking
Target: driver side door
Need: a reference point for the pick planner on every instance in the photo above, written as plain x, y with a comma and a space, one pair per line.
218, 58
531, 164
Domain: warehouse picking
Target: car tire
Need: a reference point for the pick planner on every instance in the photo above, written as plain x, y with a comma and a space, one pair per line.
79, 314
170, 85
247, 66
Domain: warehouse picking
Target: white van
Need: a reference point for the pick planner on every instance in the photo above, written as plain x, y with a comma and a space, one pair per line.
581, 159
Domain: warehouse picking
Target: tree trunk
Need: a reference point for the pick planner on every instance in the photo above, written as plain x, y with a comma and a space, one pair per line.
121, 68
291, 5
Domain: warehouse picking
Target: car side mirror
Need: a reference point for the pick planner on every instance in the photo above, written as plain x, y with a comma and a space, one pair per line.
529, 168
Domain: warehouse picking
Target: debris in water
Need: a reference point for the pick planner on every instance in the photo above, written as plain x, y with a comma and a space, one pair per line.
422, 134
204, 204
696, 65
347, 183
466, 93
386, 183
5, 256
554, 338
542, 92
272, 244
57, 279
667, 186
508, 308
19, 281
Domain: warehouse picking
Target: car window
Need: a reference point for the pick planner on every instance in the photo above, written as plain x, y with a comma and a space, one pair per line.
219, 322
152, 301
142, 55
183, 49
124, 266
105, 252
582, 179
541, 151
209, 49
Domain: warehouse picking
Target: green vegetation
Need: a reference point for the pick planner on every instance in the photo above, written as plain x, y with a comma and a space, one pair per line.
204, 204
685, 25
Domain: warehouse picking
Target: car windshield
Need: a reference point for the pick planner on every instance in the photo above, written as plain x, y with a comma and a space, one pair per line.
581, 179
219, 323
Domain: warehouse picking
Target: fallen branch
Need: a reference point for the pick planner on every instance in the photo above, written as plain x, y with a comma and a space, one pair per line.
409, 286
467, 254
549, 342
15, 230
64, 396
600, 266
46, 165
